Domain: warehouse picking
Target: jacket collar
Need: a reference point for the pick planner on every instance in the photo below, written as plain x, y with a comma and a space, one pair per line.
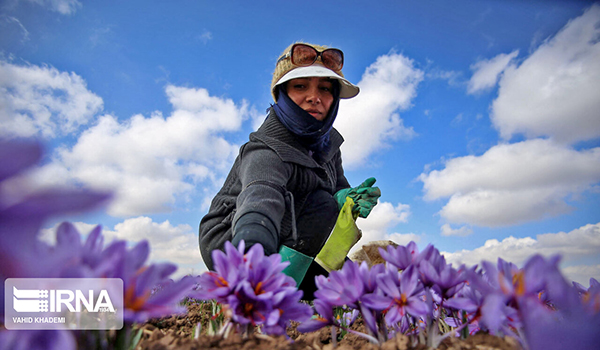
275, 135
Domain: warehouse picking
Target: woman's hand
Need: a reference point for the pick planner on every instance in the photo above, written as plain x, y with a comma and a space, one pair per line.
364, 196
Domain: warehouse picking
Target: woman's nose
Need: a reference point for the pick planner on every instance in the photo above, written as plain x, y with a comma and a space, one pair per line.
313, 96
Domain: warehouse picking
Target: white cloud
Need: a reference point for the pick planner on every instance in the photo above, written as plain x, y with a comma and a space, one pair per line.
487, 72
512, 183
12, 28
151, 163
463, 231
40, 100
384, 216
64, 7
554, 92
370, 121
205, 37
572, 246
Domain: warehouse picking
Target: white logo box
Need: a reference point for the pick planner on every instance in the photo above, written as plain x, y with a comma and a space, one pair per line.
63, 303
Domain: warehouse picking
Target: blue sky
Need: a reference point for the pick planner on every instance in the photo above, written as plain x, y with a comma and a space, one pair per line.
479, 119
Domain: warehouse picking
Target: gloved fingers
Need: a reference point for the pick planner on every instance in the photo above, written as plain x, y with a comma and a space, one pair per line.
368, 192
363, 212
363, 207
367, 183
365, 191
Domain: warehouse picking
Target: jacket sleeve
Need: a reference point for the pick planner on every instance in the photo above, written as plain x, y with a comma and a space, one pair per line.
261, 204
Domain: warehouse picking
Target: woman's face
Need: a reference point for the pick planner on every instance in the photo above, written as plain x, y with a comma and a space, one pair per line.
312, 94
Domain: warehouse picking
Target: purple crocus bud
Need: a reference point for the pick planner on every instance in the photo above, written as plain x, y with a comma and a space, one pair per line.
369, 276
433, 255
401, 256
444, 279
590, 297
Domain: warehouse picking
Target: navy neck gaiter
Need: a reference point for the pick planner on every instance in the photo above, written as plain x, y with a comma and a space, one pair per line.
312, 133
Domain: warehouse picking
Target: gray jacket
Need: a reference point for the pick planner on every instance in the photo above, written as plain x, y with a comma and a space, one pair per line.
272, 175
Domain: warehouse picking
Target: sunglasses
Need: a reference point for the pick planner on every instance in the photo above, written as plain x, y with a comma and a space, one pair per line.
303, 55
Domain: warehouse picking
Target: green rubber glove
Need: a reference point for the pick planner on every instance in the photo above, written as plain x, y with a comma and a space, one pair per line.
344, 236
364, 196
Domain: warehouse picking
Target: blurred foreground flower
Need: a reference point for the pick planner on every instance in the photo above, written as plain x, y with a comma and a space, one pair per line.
569, 324
23, 255
23, 214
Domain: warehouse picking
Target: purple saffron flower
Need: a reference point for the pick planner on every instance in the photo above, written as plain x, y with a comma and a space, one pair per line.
342, 287
286, 308
247, 307
265, 272
230, 268
506, 288
254, 287
569, 326
402, 295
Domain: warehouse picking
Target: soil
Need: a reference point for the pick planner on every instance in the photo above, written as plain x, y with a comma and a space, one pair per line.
177, 332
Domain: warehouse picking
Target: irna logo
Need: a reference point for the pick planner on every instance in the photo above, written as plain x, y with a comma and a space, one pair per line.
61, 303
38, 300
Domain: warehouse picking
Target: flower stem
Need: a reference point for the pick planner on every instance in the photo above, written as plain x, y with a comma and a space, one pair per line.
334, 336
366, 336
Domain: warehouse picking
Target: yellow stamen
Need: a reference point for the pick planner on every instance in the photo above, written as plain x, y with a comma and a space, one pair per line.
258, 289
518, 281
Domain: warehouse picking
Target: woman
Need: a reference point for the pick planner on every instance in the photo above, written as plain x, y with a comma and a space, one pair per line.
287, 185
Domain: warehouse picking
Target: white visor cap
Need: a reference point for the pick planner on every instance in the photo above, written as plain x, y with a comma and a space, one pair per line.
347, 89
